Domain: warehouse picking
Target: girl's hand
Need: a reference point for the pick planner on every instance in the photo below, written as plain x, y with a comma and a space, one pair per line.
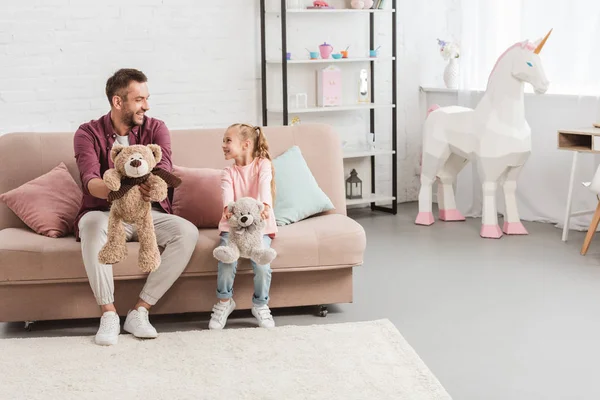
265, 212
226, 213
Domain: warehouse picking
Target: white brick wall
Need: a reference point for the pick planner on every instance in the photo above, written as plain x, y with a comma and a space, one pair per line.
55, 57
202, 60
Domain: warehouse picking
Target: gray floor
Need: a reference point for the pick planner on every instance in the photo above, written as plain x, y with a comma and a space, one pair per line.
515, 318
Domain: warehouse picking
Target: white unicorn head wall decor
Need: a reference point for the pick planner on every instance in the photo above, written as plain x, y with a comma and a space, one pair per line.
495, 134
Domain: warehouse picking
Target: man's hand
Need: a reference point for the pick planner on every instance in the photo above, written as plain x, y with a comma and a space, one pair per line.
265, 212
98, 188
145, 191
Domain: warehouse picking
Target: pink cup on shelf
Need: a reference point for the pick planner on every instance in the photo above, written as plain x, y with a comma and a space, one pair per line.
325, 50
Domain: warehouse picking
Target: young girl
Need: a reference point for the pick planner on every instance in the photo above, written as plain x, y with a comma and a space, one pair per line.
251, 175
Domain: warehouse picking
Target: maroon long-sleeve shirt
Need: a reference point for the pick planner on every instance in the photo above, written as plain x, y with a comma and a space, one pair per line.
93, 142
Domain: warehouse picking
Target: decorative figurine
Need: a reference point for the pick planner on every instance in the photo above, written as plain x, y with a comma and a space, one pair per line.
495, 133
363, 87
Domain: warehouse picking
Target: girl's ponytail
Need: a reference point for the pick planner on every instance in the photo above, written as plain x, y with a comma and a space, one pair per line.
261, 149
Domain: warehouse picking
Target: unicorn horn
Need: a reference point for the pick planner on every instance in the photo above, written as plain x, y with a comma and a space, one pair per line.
541, 45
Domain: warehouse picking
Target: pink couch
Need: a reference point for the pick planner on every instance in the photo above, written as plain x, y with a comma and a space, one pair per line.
43, 278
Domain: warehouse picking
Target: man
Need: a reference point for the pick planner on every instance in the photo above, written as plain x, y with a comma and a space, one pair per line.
126, 123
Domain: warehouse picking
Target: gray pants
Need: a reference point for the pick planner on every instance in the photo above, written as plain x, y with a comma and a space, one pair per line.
177, 236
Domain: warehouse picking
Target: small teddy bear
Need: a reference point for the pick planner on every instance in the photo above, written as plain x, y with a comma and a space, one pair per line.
134, 165
245, 234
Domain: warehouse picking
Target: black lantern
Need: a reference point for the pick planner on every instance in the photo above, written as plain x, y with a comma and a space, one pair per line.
353, 186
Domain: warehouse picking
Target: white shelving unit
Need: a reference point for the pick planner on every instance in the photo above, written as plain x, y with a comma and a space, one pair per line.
349, 107
333, 60
332, 11
354, 153
371, 196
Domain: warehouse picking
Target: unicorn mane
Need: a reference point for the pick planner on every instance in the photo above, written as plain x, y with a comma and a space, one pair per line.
524, 45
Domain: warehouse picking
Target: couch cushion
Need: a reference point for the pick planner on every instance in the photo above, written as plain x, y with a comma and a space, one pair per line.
24, 255
298, 193
198, 199
328, 241
47, 204
195, 148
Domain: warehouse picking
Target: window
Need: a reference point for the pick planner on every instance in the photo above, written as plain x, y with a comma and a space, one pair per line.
571, 57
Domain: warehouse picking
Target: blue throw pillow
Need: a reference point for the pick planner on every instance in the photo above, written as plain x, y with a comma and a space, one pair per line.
298, 194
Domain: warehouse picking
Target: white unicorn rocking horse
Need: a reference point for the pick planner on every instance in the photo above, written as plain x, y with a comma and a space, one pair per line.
495, 133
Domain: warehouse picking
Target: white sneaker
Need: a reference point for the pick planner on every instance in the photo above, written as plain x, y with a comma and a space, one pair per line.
219, 315
110, 327
138, 324
263, 315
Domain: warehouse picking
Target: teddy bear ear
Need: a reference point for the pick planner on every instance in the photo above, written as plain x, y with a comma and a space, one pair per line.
230, 206
260, 205
115, 151
156, 151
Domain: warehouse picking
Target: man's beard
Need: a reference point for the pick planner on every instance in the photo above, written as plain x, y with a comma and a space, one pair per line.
129, 120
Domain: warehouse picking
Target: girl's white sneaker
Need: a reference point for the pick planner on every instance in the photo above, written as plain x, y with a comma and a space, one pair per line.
220, 312
263, 315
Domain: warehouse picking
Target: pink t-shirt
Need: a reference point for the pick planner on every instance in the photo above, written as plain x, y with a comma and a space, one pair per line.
252, 180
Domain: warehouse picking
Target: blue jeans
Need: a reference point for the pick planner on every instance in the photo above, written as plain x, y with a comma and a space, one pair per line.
262, 276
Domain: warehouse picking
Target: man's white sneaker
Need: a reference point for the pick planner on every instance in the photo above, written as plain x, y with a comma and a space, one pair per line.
220, 312
138, 324
110, 327
263, 315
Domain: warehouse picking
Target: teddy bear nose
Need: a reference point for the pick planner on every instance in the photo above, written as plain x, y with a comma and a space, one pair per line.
135, 163
244, 219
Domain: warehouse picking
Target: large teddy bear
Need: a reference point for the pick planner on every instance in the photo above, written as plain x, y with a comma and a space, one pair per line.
134, 165
245, 234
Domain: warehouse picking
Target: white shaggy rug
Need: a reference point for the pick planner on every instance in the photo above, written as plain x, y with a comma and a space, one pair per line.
362, 360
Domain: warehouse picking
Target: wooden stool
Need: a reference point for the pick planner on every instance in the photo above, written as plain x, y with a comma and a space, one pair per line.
591, 230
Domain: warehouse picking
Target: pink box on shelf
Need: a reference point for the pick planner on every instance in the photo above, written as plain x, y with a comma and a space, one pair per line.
329, 87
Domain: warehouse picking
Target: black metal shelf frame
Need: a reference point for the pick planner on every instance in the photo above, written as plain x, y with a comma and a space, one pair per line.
284, 72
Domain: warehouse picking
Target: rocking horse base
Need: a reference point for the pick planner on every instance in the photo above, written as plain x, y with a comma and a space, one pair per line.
424, 218
514, 228
490, 231
451, 215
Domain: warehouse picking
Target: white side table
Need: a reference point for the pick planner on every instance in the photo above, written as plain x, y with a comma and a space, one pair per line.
580, 140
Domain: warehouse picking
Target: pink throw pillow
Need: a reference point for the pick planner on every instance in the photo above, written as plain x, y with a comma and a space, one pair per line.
47, 204
198, 199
